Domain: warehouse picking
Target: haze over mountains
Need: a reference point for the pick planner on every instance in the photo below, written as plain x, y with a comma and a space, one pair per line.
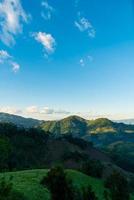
126, 121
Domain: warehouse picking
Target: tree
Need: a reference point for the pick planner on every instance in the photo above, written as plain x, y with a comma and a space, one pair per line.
118, 186
58, 184
88, 194
106, 195
93, 168
5, 151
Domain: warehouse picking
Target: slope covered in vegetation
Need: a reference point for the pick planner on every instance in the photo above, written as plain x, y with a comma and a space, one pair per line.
28, 183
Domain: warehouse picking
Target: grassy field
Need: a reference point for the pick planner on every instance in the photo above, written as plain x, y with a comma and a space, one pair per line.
28, 183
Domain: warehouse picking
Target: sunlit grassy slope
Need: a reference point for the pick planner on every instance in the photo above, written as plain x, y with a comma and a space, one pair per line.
28, 183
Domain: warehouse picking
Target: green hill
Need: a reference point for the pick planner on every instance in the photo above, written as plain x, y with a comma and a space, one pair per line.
72, 124
28, 183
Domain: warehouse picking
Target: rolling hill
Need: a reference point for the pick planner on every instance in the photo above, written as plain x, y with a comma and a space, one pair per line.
28, 183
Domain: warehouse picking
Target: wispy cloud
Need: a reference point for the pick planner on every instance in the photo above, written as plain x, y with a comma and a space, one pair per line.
12, 17
47, 10
10, 110
46, 40
5, 57
44, 111
84, 25
15, 66
86, 60
47, 113
82, 63
32, 109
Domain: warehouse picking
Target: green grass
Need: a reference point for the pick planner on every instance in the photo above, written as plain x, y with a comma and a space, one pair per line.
81, 180
28, 183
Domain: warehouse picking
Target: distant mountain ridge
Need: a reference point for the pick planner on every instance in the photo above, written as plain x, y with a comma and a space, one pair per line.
126, 121
82, 128
71, 125
19, 121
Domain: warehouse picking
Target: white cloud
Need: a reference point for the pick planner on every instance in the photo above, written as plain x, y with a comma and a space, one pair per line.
47, 10
5, 57
47, 110
15, 66
12, 17
10, 110
46, 40
84, 24
44, 111
32, 109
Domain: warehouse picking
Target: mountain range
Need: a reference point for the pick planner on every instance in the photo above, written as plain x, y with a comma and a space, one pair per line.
74, 125
114, 139
81, 127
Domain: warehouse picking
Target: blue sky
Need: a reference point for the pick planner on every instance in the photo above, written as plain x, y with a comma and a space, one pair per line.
59, 58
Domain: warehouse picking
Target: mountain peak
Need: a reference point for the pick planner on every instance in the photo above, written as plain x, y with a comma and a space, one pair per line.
73, 118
